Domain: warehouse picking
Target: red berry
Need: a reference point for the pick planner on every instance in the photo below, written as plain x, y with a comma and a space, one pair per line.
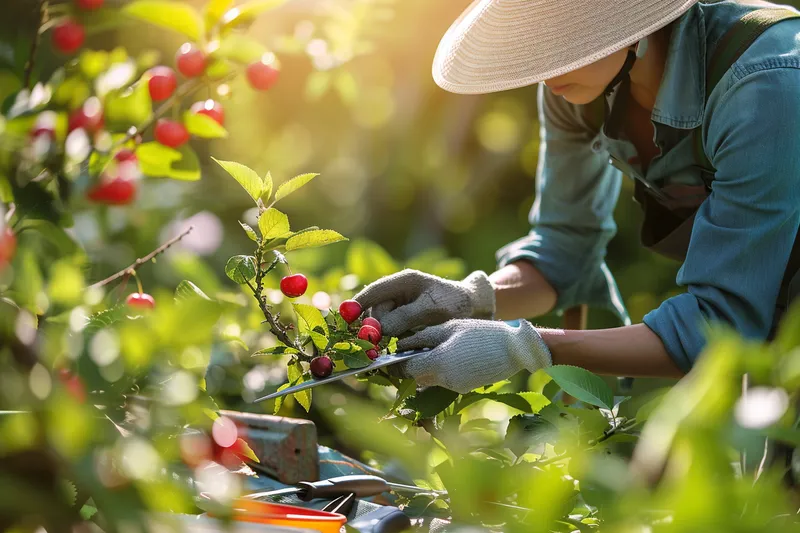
321, 367
171, 133
262, 76
210, 108
125, 155
89, 116
8, 245
68, 36
117, 191
88, 5
368, 333
369, 321
73, 384
350, 310
294, 285
162, 83
50, 132
191, 61
372, 354
141, 300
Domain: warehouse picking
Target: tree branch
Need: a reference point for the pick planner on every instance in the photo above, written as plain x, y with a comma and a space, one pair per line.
28, 76
142, 260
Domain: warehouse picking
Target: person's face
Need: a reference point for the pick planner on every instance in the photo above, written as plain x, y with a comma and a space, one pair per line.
587, 83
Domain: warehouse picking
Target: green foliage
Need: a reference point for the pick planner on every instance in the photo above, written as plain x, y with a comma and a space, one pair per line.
582, 385
167, 14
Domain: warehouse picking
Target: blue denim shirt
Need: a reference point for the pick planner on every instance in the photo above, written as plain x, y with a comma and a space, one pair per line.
744, 230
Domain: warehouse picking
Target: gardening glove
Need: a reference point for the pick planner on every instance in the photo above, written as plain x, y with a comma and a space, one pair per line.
411, 298
467, 354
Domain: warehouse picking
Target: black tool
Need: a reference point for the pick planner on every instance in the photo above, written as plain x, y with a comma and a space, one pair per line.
362, 486
382, 520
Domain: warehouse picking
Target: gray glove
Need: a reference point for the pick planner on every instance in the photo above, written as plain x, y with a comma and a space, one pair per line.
412, 298
468, 354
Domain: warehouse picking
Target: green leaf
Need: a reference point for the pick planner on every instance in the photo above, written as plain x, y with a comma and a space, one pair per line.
294, 371
175, 16
155, 159
241, 268
310, 318
304, 396
356, 359
186, 290
310, 239
295, 374
407, 388
214, 10
240, 48
51, 233
276, 350
106, 318
251, 233
292, 185
246, 177
273, 224
527, 402
582, 385
319, 340
203, 126
369, 261
187, 168
279, 401
431, 401
248, 12
128, 107
267, 186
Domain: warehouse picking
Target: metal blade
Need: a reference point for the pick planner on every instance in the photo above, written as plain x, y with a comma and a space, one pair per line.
380, 362
277, 492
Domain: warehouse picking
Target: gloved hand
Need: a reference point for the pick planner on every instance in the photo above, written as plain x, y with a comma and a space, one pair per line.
468, 354
412, 298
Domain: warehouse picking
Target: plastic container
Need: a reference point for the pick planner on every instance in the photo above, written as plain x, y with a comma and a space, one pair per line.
277, 514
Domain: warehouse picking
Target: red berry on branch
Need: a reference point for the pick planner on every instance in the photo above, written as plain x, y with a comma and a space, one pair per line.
140, 300
8, 246
350, 310
118, 191
89, 116
369, 321
125, 156
171, 133
321, 367
68, 36
372, 354
162, 83
294, 285
89, 5
191, 61
262, 76
368, 333
210, 108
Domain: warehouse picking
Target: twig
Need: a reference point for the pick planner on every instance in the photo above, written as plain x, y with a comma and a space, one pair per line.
142, 260
42, 8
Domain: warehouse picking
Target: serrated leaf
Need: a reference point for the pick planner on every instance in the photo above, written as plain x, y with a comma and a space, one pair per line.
292, 185
241, 268
304, 396
356, 359
309, 318
280, 399
319, 340
251, 233
186, 290
272, 224
311, 239
276, 350
245, 176
155, 159
70, 492
175, 16
106, 318
203, 126
582, 385
431, 401
407, 388
267, 186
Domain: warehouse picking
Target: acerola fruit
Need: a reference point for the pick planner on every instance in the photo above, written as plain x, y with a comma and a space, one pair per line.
210, 108
372, 354
369, 321
117, 191
350, 310
141, 300
125, 155
321, 367
162, 83
68, 36
262, 76
171, 133
294, 285
191, 61
89, 117
8, 246
89, 5
368, 333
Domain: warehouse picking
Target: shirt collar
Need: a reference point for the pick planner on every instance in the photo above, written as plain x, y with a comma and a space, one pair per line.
680, 102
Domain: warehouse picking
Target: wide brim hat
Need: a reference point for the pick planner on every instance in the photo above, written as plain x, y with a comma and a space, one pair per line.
497, 45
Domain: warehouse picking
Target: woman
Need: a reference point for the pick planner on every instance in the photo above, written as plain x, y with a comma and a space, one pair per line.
699, 103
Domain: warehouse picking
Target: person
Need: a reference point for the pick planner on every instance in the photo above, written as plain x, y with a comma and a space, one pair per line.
699, 104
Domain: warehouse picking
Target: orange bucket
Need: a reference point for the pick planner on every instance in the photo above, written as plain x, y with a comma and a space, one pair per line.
277, 514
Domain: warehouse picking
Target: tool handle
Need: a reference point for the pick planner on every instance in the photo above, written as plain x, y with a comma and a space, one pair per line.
382, 520
361, 486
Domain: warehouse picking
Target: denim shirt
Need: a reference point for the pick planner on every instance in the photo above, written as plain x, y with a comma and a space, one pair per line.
743, 232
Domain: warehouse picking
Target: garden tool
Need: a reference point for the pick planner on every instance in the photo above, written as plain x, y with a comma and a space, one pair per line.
359, 485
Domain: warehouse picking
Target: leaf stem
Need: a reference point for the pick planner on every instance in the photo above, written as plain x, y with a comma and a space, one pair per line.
142, 260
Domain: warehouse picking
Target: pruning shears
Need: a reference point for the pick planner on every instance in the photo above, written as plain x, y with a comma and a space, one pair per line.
380, 362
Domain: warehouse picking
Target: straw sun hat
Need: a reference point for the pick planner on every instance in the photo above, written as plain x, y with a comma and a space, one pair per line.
504, 44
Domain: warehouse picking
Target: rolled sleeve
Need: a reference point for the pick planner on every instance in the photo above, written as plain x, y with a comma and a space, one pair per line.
744, 231
572, 216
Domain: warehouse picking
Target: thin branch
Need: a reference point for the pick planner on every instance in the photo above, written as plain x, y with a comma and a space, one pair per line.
42, 8
142, 260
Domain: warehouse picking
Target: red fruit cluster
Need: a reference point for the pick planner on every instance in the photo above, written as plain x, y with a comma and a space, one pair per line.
370, 334
191, 61
210, 108
68, 36
350, 310
262, 75
294, 285
140, 300
162, 83
8, 246
171, 133
321, 367
88, 117
113, 191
